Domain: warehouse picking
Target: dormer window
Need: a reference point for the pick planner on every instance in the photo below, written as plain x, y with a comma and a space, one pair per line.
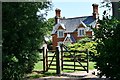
81, 32
60, 33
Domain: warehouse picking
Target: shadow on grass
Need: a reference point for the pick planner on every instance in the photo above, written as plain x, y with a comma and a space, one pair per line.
38, 74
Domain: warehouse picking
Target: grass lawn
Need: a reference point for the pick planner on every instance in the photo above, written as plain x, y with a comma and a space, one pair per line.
39, 65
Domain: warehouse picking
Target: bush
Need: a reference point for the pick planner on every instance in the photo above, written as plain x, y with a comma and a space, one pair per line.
108, 48
83, 44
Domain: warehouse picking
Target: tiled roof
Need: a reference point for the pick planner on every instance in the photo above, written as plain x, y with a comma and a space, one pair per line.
56, 27
71, 24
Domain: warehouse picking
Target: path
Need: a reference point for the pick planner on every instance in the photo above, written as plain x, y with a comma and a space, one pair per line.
81, 75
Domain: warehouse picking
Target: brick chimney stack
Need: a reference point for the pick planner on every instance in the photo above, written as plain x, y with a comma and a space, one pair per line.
95, 11
57, 15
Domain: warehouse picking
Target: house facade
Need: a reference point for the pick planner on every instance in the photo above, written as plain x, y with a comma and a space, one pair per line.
70, 30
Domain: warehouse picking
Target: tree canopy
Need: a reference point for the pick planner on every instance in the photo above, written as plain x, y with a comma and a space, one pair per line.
23, 33
107, 37
51, 23
108, 48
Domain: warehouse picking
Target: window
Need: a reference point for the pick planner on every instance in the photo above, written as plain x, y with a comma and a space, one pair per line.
60, 33
81, 32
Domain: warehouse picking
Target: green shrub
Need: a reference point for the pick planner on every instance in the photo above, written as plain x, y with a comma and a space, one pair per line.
108, 48
84, 44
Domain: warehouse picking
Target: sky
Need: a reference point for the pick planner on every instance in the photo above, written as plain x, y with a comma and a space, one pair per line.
75, 8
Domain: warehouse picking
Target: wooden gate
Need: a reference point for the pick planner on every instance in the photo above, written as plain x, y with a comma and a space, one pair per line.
57, 61
75, 60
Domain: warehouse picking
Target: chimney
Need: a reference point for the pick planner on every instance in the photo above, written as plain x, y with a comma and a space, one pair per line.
57, 15
95, 11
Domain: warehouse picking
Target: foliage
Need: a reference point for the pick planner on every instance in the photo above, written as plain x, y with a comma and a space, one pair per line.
51, 23
107, 37
23, 33
83, 44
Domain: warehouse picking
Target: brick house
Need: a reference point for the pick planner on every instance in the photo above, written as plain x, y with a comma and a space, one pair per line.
69, 30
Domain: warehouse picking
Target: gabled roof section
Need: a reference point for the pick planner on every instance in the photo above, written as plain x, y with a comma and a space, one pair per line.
90, 21
83, 24
56, 27
69, 36
71, 24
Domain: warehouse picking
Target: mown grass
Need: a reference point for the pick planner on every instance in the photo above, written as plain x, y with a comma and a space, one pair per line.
38, 66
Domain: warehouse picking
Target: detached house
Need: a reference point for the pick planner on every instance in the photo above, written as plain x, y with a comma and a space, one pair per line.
69, 30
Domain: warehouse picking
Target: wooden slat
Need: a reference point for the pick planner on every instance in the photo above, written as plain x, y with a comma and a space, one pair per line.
52, 60
50, 56
67, 65
51, 51
68, 61
73, 65
75, 61
51, 68
80, 66
76, 51
67, 56
77, 56
73, 69
83, 61
52, 64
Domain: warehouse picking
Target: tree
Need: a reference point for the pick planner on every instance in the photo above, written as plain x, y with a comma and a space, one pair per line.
111, 6
23, 33
107, 37
51, 23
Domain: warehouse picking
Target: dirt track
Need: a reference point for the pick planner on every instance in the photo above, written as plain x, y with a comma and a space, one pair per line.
82, 75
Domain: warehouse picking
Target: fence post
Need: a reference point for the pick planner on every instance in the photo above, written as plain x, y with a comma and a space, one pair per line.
61, 47
57, 61
87, 60
44, 61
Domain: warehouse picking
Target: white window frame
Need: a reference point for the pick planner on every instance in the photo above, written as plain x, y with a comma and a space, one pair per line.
82, 30
58, 33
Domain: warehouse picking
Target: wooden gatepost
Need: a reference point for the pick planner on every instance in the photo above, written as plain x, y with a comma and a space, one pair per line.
45, 59
58, 66
87, 60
